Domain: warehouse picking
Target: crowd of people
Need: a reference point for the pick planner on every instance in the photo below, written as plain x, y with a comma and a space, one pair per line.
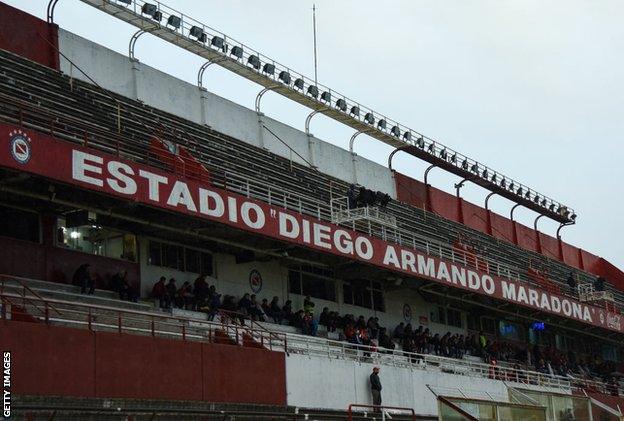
360, 331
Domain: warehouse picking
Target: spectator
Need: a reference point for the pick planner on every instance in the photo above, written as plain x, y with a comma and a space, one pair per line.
200, 289
171, 291
120, 285
265, 307
483, 344
384, 339
375, 384
82, 277
287, 312
214, 306
276, 312
399, 331
159, 292
255, 310
308, 306
244, 305
324, 318
185, 296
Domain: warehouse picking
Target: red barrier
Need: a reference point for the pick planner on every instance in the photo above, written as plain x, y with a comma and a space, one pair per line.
28, 36
571, 255
475, 217
410, 191
72, 362
444, 204
550, 246
526, 237
502, 228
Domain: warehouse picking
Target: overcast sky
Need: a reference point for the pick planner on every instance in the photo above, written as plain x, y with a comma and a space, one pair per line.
532, 88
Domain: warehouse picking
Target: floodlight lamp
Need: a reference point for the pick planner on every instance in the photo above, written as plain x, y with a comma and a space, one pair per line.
299, 84
254, 61
284, 76
503, 182
151, 10
494, 178
475, 168
269, 69
454, 158
528, 194
431, 148
381, 125
237, 52
369, 118
197, 32
341, 104
465, 164
443, 154
355, 111
551, 207
313, 91
519, 191
395, 131
485, 173
573, 217
536, 199
420, 142
544, 202
174, 21
511, 186
407, 136
218, 42
326, 96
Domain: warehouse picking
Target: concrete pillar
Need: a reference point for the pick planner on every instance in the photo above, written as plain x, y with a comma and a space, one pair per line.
136, 69
311, 145
260, 129
203, 104
354, 162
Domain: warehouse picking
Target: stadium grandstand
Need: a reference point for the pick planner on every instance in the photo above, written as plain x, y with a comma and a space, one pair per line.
167, 253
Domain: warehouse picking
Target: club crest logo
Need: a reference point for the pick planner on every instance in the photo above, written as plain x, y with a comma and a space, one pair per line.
20, 146
255, 281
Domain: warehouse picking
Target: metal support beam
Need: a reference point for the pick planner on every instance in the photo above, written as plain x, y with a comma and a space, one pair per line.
259, 96
133, 41
50, 10
535, 222
429, 168
392, 156
560, 227
309, 118
512, 211
487, 200
459, 186
356, 134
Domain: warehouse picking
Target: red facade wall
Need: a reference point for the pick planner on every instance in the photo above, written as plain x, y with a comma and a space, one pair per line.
410, 191
590, 261
571, 255
550, 246
527, 237
502, 228
28, 36
444, 204
73, 362
475, 216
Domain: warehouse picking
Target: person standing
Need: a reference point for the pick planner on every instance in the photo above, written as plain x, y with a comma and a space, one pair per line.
375, 384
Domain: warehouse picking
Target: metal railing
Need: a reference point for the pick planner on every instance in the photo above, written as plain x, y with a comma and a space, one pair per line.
382, 409
92, 135
113, 319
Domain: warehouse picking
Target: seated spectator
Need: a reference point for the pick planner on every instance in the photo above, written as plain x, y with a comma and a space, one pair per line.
265, 307
228, 304
373, 327
244, 305
159, 292
214, 306
255, 310
308, 306
200, 290
399, 331
275, 312
82, 277
324, 317
120, 285
287, 312
185, 296
171, 291
384, 339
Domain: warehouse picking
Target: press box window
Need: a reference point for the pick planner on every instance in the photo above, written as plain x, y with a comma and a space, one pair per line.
303, 281
364, 293
179, 258
19, 224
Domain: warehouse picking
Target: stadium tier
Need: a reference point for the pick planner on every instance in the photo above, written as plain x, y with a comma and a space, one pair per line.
172, 254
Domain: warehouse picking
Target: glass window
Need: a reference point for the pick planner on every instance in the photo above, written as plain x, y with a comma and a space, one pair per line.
172, 257
310, 280
192, 260
19, 224
488, 325
154, 254
180, 258
512, 331
206, 264
95, 239
454, 317
364, 293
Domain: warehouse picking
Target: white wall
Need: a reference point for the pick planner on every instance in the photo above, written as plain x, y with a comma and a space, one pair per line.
318, 382
136, 80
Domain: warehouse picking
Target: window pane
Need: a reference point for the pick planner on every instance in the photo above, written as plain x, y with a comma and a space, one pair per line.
172, 256
347, 293
294, 282
192, 261
16, 223
206, 264
154, 254
441, 315
330, 290
378, 301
